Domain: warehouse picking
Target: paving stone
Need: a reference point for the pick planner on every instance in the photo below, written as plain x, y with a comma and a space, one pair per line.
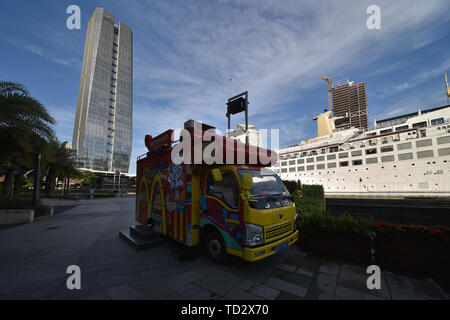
402, 295
34, 294
305, 272
287, 287
286, 267
309, 263
9, 285
217, 281
193, 292
155, 273
350, 268
116, 280
122, 271
325, 282
183, 280
330, 268
102, 274
34, 285
287, 296
253, 272
399, 283
367, 296
301, 252
325, 296
246, 285
355, 278
348, 294
265, 292
301, 280
427, 288
238, 294
123, 292
99, 295
156, 289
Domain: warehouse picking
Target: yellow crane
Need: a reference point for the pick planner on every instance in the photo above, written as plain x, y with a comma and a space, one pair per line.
328, 80
446, 84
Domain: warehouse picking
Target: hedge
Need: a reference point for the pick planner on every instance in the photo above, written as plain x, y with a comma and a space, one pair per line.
7, 203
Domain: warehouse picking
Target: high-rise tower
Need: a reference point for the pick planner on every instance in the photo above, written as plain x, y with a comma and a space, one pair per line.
102, 134
350, 103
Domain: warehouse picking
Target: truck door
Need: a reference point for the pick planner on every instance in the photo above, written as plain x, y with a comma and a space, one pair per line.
221, 207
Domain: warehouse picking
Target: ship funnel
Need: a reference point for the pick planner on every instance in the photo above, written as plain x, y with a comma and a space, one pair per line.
325, 124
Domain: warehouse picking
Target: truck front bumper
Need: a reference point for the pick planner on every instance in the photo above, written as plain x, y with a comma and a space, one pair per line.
258, 253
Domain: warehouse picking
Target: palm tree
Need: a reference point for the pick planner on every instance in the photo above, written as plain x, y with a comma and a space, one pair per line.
57, 163
25, 128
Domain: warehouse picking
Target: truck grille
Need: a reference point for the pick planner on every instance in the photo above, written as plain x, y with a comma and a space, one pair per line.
278, 229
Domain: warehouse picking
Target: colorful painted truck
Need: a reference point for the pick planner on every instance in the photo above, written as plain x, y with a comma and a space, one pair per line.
240, 208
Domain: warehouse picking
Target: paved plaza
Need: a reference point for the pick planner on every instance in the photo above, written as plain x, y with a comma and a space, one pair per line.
34, 258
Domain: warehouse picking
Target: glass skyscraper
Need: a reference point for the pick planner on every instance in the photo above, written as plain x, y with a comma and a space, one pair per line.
102, 134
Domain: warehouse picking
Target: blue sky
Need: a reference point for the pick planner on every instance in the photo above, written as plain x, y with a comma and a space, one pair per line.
185, 52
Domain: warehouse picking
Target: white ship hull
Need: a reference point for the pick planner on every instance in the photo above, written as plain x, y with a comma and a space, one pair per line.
413, 160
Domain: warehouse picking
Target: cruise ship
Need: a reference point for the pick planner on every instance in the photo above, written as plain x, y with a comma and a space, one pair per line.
403, 156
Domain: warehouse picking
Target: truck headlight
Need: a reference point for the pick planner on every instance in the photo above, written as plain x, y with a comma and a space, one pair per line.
254, 235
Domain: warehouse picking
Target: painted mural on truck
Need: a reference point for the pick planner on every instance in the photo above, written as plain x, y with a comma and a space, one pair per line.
161, 196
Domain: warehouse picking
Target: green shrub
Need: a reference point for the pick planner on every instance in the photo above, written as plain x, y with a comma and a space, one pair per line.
7, 203
311, 200
313, 191
347, 223
343, 223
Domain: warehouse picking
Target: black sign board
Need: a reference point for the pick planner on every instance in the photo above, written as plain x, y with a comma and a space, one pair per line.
236, 106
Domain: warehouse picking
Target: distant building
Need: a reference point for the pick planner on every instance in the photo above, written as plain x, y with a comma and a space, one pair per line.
102, 134
254, 136
350, 105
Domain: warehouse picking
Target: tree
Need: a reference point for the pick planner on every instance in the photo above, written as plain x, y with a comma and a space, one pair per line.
25, 129
94, 179
57, 163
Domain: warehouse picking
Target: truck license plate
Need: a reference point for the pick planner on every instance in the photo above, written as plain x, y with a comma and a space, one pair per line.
282, 246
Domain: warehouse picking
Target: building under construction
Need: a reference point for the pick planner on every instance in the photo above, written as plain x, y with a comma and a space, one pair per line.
349, 104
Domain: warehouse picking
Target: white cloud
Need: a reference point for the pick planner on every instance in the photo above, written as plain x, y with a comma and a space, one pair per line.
47, 54
272, 49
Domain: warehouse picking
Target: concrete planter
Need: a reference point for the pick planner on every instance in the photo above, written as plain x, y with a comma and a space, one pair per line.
16, 216
415, 256
343, 245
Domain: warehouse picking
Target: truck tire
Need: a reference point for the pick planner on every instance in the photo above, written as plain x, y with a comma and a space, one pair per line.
215, 247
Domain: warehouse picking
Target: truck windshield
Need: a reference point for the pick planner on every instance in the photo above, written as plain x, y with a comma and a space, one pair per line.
265, 183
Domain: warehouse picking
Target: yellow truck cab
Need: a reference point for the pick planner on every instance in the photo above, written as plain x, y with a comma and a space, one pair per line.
240, 208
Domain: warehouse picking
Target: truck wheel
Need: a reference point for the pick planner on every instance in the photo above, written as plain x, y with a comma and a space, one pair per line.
215, 247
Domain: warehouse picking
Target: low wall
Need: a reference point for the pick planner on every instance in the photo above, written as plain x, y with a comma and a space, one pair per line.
16, 216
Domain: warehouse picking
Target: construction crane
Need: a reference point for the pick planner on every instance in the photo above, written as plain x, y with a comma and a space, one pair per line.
328, 80
446, 85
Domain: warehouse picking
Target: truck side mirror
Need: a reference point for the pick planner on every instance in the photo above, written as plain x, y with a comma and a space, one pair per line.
216, 174
246, 181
